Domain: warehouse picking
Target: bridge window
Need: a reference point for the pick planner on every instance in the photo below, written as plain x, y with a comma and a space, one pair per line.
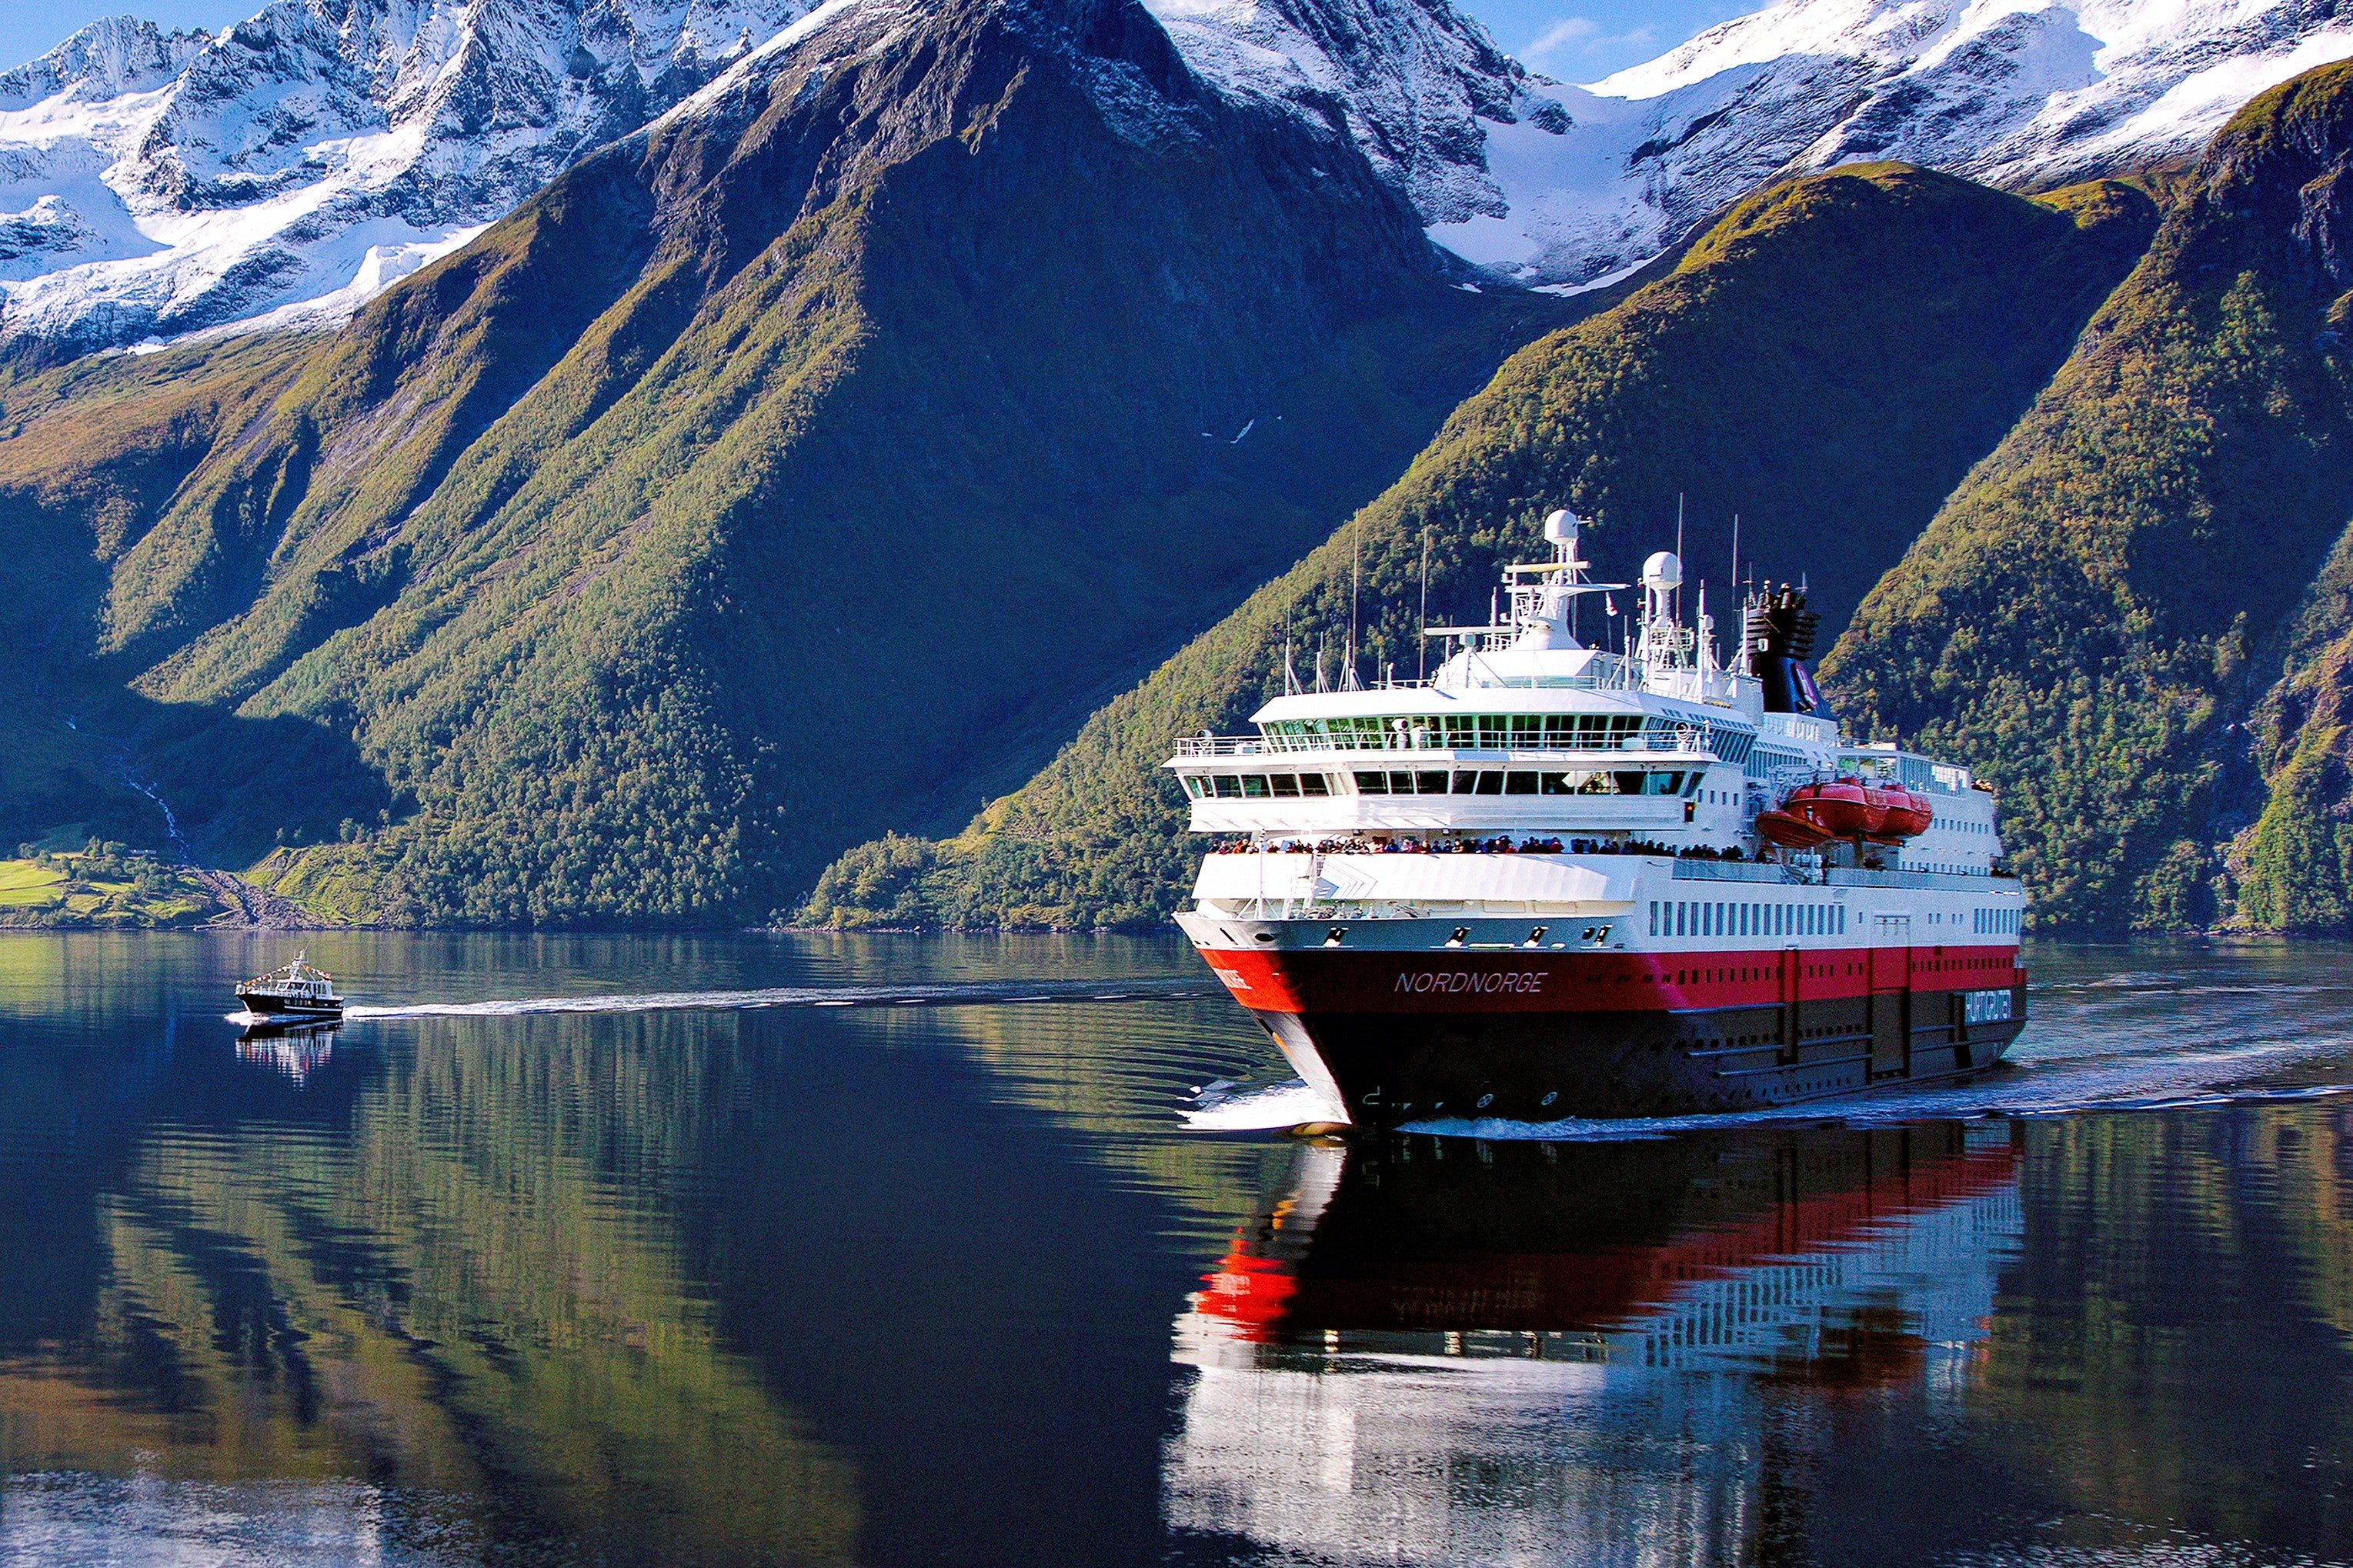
1284, 784
1314, 784
1254, 786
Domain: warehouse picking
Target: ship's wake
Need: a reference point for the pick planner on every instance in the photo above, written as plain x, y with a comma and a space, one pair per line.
959, 995
1230, 1107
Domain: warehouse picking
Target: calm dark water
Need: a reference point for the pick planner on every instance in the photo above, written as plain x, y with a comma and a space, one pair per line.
713, 1251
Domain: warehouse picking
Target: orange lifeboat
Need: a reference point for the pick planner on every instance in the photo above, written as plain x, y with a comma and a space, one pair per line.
1789, 830
1843, 808
1908, 814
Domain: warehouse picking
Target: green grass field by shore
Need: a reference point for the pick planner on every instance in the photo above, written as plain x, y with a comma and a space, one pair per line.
101, 890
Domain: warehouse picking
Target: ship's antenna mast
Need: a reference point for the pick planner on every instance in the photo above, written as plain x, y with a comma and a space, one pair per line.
1679, 555
1735, 555
1421, 671
1355, 580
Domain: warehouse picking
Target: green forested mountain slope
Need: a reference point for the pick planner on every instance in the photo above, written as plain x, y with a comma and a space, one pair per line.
2095, 614
737, 496
1828, 361
2292, 870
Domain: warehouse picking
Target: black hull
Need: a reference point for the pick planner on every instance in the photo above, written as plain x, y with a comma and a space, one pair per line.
1392, 1068
281, 1010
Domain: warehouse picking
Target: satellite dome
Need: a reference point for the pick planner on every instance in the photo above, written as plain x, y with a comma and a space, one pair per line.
1663, 570
1561, 526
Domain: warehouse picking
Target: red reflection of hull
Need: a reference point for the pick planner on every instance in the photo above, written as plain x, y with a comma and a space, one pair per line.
1280, 1285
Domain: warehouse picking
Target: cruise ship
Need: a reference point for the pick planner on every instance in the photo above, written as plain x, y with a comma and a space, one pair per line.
1557, 880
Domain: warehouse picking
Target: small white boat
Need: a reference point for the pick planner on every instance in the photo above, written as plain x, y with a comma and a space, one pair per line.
299, 990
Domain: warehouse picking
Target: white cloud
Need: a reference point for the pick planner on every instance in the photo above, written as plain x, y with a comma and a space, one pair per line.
1582, 35
1576, 29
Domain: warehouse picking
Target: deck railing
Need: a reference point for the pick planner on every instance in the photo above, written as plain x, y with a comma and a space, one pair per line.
1285, 745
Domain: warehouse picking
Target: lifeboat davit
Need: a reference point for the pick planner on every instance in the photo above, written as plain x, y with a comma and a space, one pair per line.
1843, 808
1789, 830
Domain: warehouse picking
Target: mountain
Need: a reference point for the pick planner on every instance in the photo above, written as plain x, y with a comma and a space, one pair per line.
296, 163
2022, 94
824, 447
154, 184
1828, 361
2132, 615
2126, 601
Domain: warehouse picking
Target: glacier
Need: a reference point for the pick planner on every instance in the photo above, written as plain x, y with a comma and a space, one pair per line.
1557, 187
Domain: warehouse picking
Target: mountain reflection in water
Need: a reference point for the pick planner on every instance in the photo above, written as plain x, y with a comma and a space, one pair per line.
637, 1250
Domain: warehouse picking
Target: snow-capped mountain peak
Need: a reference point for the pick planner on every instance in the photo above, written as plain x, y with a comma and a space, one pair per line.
2023, 93
153, 184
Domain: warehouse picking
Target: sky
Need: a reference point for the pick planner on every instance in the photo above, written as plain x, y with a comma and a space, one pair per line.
1585, 41
1572, 40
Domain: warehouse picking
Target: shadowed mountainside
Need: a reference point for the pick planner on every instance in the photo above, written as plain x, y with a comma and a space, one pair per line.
822, 448
1828, 361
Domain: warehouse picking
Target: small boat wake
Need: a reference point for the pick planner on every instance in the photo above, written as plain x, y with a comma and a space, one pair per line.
964, 995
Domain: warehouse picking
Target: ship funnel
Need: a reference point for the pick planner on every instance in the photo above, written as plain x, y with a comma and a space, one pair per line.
1780, 631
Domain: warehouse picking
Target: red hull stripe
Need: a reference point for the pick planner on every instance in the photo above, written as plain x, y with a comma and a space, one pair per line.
1328, 979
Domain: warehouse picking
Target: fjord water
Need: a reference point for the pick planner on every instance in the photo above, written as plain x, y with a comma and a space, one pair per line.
630, 1250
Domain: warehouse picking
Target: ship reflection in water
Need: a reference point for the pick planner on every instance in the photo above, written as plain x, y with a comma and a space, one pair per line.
1443, 1351
296, 1050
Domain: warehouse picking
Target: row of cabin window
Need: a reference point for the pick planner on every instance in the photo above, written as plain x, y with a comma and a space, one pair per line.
1439, 780
1998, 923
1469, 731
1510, 732
1517, 781
1686, 918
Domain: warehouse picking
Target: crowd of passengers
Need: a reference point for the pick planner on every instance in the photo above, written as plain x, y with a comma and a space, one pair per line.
1504, 845
1501, 844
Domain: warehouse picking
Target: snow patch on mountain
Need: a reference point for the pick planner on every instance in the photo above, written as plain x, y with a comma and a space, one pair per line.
152, 183
1559, 186
156, 184
2021, 94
